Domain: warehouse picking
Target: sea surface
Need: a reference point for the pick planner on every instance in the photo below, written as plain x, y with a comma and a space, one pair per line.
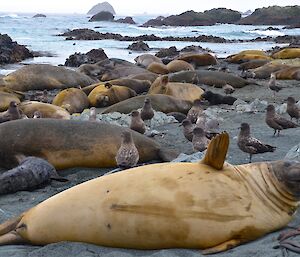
40, 34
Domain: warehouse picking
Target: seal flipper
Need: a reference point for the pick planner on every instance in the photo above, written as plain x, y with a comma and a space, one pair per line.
223, 247
10, 225
216, 151
11, 238
8, 235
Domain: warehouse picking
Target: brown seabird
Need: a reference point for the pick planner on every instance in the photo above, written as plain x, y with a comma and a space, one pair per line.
137, 123
200, 141
13, 113
292, 109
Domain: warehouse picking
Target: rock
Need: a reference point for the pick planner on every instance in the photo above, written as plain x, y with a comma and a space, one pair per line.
195, 157
194, 49
139, 46
280, 109
127, 20
255, 106
101, 7
167, 52
93, 56
39, 15
293, 26
273, 15
11, 51
102, 16
294, 153
158, 21
223, 15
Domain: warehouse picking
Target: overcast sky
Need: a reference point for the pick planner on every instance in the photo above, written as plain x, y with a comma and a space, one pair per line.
129, 7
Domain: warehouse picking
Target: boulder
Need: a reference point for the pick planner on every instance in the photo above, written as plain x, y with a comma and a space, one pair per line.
167, 52
102, 16
139, 46
101, 7
11, 51
39, 15
273, 15
223, 15
158, 21
127, 20
93, 56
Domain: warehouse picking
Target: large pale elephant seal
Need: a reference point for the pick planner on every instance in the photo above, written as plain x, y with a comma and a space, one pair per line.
198, 59
46, 110
241, 58
287, 53
288, 73
159, 102
72, 99
44, 76
183, 91
70, 143
212, 78
206, 205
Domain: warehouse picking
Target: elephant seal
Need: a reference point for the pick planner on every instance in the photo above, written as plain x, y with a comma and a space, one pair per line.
122, 72
7, 96
72, 99
32, 173
252, 64
183, 91
145, 60
215, 99
46, 110
161, 103
179, 65
287, 53
158, 68
139, 86
44, 76
106, 95
70, 143
209, 205
211, 78
264, 72
197, 60
241, 58
144, 76
288, 73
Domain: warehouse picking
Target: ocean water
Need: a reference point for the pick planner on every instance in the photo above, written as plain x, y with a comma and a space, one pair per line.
40, 34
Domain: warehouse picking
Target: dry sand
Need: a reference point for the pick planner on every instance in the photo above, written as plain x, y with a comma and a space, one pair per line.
14, 204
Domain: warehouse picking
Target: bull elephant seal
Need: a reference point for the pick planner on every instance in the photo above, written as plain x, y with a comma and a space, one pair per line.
46, 110
72, 99
45, 76
212, 78
161, 103
70, 143
106, 95
168, 205
184, 91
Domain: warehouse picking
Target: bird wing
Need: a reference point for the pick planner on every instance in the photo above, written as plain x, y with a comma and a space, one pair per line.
285, 123
258, 146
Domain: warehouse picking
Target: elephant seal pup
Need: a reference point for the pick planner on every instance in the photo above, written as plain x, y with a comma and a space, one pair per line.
45, 76
32, 173
72, 99
70, 143
107, 94
139, 86
215, 99
211, 78
168, 205
159, 102
183, 91
46, 110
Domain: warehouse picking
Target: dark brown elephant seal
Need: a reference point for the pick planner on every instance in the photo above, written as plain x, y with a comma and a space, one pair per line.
44, 76
288, 73
198, 59
211, 78
70, 143
252, 64
162, 103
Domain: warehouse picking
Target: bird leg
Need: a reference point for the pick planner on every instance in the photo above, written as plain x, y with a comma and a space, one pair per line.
278, 132
274, 132
250, 158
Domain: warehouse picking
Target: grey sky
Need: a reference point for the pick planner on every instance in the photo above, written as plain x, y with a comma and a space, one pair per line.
129, 7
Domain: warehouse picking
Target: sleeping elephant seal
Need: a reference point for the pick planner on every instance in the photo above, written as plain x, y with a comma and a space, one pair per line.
197, 60
6, 98
107, 94
211, 78
252, 64
287, 53
288, 73
159, 102
44, 76
264, 72
72, 99
71, 143
122, 72
183, 91
46, 110
145, 60
209, 205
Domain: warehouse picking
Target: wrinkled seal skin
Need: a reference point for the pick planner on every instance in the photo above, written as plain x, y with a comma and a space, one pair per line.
172, 205
30, 174
69, 143
159, 102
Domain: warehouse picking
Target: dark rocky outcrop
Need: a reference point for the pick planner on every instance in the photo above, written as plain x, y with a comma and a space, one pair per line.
39, 15
101, 7
93, 56
102, 16
223, 15
273, 15
293, 26
167, 52
139, 46
158, 21
11, 51
127, 20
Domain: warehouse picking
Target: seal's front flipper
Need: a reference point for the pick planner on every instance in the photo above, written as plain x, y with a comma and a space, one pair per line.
11, 238
8, 235
222, 247
10, 225
216, 151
